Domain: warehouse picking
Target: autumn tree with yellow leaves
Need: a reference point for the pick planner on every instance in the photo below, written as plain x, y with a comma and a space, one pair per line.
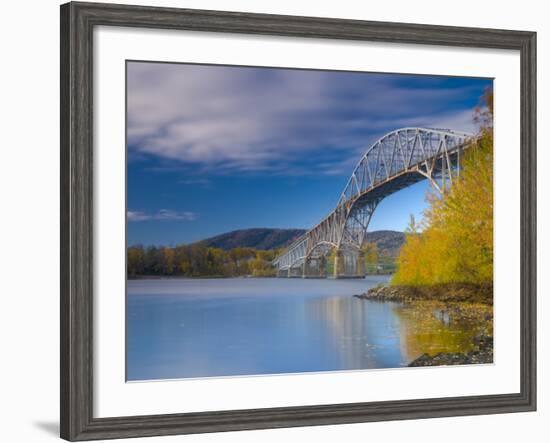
455, 241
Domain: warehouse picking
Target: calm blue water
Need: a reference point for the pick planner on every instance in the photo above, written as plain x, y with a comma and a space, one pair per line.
179, 328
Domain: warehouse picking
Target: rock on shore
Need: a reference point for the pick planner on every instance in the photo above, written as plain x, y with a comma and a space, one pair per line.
482, 353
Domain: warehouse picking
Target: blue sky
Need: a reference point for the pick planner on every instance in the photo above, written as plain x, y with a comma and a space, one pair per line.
213, 149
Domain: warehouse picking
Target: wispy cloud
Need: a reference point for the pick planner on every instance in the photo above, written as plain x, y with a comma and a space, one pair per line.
231, 119
195, 181
162, 214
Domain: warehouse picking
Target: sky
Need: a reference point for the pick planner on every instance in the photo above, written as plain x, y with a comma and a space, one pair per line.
213, 149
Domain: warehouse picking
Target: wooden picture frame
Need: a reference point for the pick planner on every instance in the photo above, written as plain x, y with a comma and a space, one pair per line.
77, 23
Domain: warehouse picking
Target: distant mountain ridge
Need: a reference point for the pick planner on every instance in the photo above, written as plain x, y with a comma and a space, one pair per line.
257, 238
388, 242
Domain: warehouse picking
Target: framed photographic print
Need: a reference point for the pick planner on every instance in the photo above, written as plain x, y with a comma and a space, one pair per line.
273, 221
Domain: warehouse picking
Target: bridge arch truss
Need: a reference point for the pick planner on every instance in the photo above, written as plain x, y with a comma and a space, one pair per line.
395, 161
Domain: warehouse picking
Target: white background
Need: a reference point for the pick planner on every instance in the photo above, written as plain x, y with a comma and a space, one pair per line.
29, 183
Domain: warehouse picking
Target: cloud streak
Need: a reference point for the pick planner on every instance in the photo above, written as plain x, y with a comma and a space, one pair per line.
275, 121
162, 214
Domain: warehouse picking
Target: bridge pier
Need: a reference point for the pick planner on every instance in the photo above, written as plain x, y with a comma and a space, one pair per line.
295, 272
338, 264
349, 264
282, 273
361, 265
315, 267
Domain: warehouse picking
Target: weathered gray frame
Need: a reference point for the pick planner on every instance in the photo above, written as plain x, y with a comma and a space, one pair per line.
77, 23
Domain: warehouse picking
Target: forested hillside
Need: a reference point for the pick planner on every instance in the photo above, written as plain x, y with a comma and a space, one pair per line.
257, 238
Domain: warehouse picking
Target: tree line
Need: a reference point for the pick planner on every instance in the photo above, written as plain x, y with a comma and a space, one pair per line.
199, 260
454, 241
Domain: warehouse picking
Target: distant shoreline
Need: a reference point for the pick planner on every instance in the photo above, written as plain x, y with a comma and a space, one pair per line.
180, 277
240, 277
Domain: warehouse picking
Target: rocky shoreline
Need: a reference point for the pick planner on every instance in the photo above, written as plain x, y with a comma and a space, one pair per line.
459, 301
446, 293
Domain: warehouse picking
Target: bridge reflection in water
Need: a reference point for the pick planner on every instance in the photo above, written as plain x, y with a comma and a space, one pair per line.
395, 161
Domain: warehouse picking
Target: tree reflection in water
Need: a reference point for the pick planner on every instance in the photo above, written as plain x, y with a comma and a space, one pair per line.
432, 327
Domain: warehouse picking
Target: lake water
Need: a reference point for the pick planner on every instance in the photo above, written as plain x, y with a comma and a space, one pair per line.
178, 328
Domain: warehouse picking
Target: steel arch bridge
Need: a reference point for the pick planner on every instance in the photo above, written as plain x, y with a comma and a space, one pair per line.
395, 161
